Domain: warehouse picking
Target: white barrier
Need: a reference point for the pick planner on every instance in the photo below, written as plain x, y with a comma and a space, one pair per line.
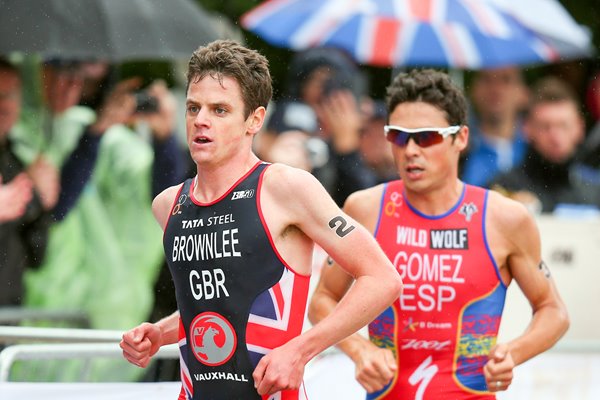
56, 351
551, 376
89, 391
571, 248
12, 334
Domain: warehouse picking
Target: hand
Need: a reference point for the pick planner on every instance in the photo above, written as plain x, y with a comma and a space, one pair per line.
375, 367
162, 123
46, 180
341, 118
119, 106
141, 343
14, 197
281, 369
498, 371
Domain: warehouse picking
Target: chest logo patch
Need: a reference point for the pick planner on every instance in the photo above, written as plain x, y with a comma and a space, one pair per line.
468, 210
213, 339
243, 194
177, 208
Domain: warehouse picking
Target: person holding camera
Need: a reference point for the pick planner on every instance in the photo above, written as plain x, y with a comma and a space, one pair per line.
325, 93
104, 232
124, 105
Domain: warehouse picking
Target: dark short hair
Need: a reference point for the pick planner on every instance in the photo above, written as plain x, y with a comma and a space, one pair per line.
551, 90
227, 58
428, 86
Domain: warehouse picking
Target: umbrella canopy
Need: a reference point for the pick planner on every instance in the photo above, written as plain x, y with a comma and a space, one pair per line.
445, 33
115, 30
550, 20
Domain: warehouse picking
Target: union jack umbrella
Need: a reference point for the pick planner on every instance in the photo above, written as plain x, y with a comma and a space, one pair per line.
467, 34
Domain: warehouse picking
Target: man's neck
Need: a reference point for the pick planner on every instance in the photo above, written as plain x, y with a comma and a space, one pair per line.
436, 201
212, 181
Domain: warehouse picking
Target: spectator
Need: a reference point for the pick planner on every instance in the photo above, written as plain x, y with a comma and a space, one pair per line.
498, 97
591, 149
551, 174
373, 146
26, 195
324, 97
109, 174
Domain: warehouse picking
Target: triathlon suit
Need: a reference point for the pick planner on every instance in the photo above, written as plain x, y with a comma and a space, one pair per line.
446, 321
237, 298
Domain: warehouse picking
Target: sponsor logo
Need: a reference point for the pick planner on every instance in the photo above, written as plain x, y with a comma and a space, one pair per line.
422, 376
414, 344
177, 207
411, 236
468, 210
220, 376
191, 223
213, 339
394, 203
449, 239
411, 325
242, 194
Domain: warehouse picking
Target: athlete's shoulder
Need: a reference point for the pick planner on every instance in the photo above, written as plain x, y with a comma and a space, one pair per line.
365, 200
284, 179
363, 206
162, 203
286, 173
507, 214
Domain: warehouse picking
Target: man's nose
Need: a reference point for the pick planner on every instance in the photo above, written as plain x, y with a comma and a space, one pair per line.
411, 146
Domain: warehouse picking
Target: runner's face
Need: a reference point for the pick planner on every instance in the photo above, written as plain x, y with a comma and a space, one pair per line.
216, 127
425, 168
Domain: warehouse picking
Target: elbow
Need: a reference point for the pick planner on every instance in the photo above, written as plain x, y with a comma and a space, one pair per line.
395, 287
565, 320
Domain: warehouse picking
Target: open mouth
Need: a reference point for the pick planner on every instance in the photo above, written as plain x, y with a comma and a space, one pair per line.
414, 169
201, 140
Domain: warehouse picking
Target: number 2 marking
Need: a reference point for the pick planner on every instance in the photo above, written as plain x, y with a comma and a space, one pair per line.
341, 230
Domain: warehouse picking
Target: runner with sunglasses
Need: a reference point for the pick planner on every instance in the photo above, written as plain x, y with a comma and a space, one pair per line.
457, 248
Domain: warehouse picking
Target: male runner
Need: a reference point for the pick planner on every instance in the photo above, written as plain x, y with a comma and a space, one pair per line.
457, 248
239, 240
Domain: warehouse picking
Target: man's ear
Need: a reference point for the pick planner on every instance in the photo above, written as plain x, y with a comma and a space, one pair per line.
462, 138
255, 120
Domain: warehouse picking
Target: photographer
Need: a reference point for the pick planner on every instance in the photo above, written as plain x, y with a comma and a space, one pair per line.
105, 233
325, 96
156, 106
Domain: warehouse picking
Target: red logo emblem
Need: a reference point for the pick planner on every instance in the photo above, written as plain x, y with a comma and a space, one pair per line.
212, 338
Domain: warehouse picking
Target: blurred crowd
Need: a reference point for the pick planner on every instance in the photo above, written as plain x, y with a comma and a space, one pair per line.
83, 153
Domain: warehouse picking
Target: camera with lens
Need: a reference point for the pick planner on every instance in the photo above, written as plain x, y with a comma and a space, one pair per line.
145, 103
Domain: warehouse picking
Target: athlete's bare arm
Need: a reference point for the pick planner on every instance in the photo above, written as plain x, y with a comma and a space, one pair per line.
296, 206
142, 342
163, 203
515, 243
375, 366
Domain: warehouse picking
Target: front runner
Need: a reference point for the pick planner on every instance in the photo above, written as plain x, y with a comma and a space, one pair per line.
239, 240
